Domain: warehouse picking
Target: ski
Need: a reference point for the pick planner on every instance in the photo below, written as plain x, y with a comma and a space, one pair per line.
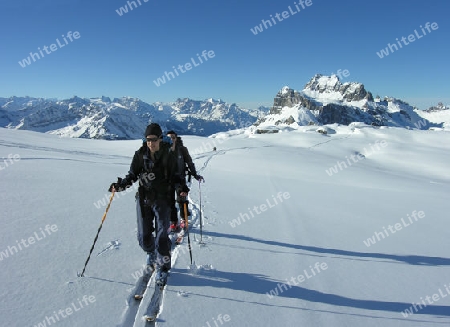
156, 300
155, 304
142, 283
157, 296
134, 300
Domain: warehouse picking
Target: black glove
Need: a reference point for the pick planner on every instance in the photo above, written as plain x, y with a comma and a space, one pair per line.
183, 188
118, 186
183, 199
199, 178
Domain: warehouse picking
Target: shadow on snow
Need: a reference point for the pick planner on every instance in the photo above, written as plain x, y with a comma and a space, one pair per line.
408, 259
261, 284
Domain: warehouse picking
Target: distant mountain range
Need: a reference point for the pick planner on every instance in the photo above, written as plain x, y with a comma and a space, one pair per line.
324, 100
124, 118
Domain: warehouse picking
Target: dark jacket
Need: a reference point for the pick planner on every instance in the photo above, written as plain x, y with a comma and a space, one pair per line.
184, 159
157, 178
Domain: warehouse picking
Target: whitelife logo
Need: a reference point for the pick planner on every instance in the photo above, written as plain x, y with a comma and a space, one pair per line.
49, 49
64, 313
280, 17
355, 158
395, 228
25, 243
415, 307
124, 10
184, 68
12, 158
243, 217
281, 287
411, 38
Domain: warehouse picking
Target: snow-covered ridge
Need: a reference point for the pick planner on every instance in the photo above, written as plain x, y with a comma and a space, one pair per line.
123, 118
325, 100
329, 89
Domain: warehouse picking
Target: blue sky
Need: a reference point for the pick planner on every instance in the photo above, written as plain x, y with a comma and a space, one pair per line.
122, 55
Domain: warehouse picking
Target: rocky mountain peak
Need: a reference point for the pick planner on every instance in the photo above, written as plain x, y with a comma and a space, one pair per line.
329, 85
325, 100
439, 107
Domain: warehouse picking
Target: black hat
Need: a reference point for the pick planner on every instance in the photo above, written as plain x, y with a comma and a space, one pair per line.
153, 129
171, 132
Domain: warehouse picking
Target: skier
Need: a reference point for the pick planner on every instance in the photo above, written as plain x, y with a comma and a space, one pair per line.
184, 161
155, 166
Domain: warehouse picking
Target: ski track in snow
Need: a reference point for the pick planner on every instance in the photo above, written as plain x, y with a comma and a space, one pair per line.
53, 150
209, 155
328, 141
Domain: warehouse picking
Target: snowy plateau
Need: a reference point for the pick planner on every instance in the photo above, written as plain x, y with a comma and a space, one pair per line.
344, 227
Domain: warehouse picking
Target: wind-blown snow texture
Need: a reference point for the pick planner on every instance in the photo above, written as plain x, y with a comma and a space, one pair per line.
287, 222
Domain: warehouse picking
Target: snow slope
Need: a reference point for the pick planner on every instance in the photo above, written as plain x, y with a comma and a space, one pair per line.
287, 222
438, 117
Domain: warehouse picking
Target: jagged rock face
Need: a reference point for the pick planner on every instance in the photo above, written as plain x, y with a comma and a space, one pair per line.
440, 106
327, 114
285, 98
328, 101
349, 91
289, 98
357, 94
323, 85
332, 113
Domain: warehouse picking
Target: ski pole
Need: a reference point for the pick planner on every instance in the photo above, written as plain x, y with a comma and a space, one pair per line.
98, 232
201, 223
187, 229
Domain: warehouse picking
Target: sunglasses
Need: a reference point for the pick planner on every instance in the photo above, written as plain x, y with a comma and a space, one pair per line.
152, 139
173, 137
